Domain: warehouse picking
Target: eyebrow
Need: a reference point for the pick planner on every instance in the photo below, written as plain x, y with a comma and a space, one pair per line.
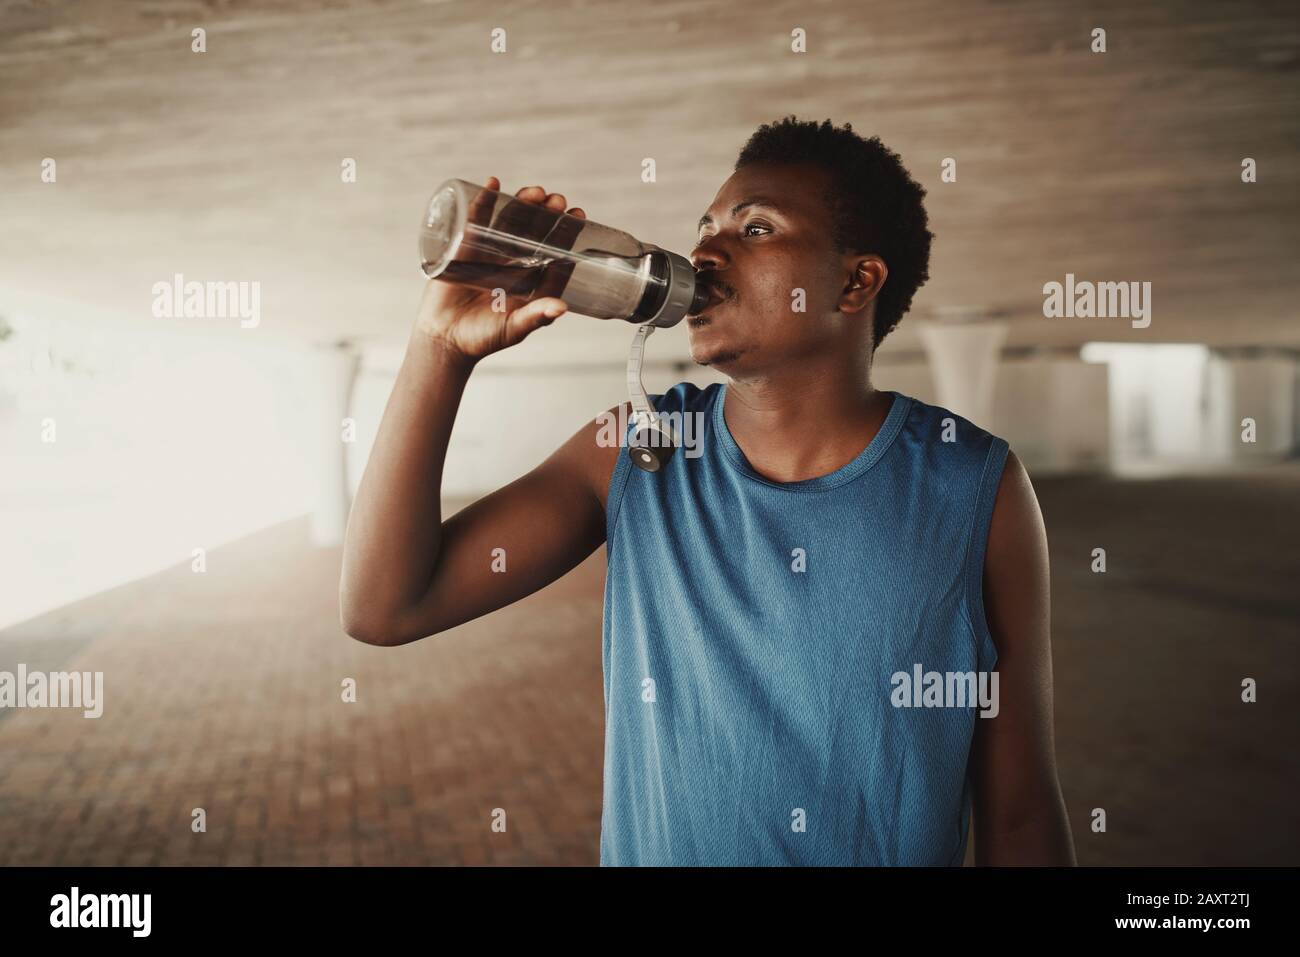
707, 220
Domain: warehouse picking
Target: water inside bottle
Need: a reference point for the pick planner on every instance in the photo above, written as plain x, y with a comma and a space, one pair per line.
483, 239
613, 276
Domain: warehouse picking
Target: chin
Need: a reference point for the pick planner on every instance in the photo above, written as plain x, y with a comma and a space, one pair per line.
717, 356
705, 349
715, 345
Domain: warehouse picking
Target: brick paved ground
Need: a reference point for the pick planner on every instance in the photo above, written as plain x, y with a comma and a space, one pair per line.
223, 692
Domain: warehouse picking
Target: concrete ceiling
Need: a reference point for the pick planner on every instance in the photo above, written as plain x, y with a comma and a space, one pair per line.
225, 165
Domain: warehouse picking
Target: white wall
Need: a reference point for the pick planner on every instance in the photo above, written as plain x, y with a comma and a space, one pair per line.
1052, 411
1264, 389
1171, 406
1181, 406
510, 418
166, 439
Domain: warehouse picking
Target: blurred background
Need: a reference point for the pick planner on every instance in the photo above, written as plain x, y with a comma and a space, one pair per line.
135, 449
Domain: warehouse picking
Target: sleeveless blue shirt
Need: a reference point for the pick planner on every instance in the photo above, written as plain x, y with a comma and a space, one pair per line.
753, 636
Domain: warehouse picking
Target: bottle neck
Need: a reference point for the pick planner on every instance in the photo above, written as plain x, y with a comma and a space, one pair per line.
656, 289
671, 291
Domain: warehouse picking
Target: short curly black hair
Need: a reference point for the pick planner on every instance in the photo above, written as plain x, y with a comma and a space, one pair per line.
876, 206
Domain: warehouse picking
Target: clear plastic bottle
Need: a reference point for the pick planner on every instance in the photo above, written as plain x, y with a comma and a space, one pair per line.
484, 238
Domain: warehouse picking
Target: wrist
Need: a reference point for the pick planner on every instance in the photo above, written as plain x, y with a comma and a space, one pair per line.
438, 348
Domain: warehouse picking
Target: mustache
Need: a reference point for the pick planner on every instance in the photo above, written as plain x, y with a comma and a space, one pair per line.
706, 279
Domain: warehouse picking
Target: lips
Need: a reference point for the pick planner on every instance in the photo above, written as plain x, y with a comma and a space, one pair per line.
718, 293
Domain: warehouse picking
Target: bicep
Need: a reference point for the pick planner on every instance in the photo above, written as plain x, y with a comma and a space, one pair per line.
516, 540
1014, 761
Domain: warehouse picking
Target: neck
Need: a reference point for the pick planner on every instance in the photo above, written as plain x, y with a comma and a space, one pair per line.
805, 420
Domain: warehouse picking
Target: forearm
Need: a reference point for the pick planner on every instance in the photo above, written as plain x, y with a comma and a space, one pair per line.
393, 536
1040, 839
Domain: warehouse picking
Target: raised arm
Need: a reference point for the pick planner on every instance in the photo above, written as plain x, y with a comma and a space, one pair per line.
408, 574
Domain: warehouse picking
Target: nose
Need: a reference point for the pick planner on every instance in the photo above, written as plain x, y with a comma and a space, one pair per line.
708, 256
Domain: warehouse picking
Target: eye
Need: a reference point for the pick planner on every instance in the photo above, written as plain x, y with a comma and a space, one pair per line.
745, 230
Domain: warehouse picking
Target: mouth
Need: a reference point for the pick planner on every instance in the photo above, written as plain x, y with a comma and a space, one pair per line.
718, 294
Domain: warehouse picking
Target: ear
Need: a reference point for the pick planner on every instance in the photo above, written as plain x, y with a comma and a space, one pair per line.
866, 276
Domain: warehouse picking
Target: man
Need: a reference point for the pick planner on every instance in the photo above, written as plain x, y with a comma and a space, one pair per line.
772, 604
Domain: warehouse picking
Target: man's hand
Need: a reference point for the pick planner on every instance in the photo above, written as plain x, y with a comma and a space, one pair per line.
461, 318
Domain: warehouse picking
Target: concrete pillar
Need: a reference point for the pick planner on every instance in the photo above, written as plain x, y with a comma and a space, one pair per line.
964, 358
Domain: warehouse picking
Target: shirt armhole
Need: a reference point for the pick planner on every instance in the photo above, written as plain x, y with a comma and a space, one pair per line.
619, 477
986, 496
614, 497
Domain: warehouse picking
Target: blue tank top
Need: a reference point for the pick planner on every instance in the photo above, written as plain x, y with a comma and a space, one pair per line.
753, 635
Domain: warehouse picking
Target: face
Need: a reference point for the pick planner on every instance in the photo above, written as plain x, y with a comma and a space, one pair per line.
767, 235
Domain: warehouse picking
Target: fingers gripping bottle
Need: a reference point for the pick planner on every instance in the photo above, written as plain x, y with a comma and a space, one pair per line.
481, 237
484, 238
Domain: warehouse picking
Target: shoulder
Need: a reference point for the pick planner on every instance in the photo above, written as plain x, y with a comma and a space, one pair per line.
934, 423
616, 421
595, 447
1017, 539
685, 396
592, 453
948, 449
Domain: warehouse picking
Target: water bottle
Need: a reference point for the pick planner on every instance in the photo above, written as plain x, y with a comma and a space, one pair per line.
484, 238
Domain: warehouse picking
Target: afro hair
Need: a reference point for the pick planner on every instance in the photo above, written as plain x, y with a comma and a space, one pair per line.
876, 206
